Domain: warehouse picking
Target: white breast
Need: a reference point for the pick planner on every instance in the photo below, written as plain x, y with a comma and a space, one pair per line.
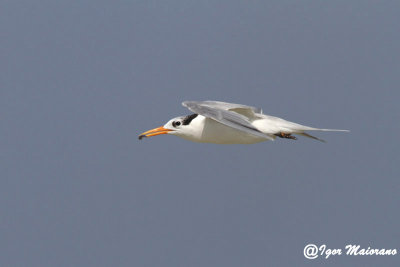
215, 132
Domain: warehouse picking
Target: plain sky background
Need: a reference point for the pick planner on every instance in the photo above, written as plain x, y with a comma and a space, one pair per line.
79, 80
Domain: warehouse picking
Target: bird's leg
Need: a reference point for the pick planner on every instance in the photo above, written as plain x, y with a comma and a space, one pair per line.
285, 135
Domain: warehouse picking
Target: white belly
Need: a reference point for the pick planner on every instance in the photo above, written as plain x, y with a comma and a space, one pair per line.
218, 133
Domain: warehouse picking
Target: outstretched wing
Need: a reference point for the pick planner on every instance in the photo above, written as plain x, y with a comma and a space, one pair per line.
229, 106
236, 116
251, 113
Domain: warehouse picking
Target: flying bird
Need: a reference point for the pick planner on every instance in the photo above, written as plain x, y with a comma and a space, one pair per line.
227, 123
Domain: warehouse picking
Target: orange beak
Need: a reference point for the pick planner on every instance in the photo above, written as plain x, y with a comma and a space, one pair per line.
154, 132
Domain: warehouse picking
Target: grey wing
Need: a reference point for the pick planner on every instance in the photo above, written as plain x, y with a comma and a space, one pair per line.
224, 116
225, 105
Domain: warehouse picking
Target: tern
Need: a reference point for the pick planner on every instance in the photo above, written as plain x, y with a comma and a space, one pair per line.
227, 123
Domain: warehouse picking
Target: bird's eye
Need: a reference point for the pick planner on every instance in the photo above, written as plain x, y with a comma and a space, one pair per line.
176, 123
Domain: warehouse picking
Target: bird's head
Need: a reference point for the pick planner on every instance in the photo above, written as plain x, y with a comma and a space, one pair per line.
180, 126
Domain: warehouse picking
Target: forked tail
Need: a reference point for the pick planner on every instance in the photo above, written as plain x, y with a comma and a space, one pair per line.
323, 130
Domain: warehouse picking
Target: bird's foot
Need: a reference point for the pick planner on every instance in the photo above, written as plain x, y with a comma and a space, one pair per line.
285, 135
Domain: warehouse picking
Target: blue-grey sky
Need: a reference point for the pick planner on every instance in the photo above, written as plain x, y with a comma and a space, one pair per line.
79, 80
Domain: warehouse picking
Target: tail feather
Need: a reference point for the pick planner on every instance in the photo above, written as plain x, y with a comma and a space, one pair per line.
323, 130
313, 137
328, 130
